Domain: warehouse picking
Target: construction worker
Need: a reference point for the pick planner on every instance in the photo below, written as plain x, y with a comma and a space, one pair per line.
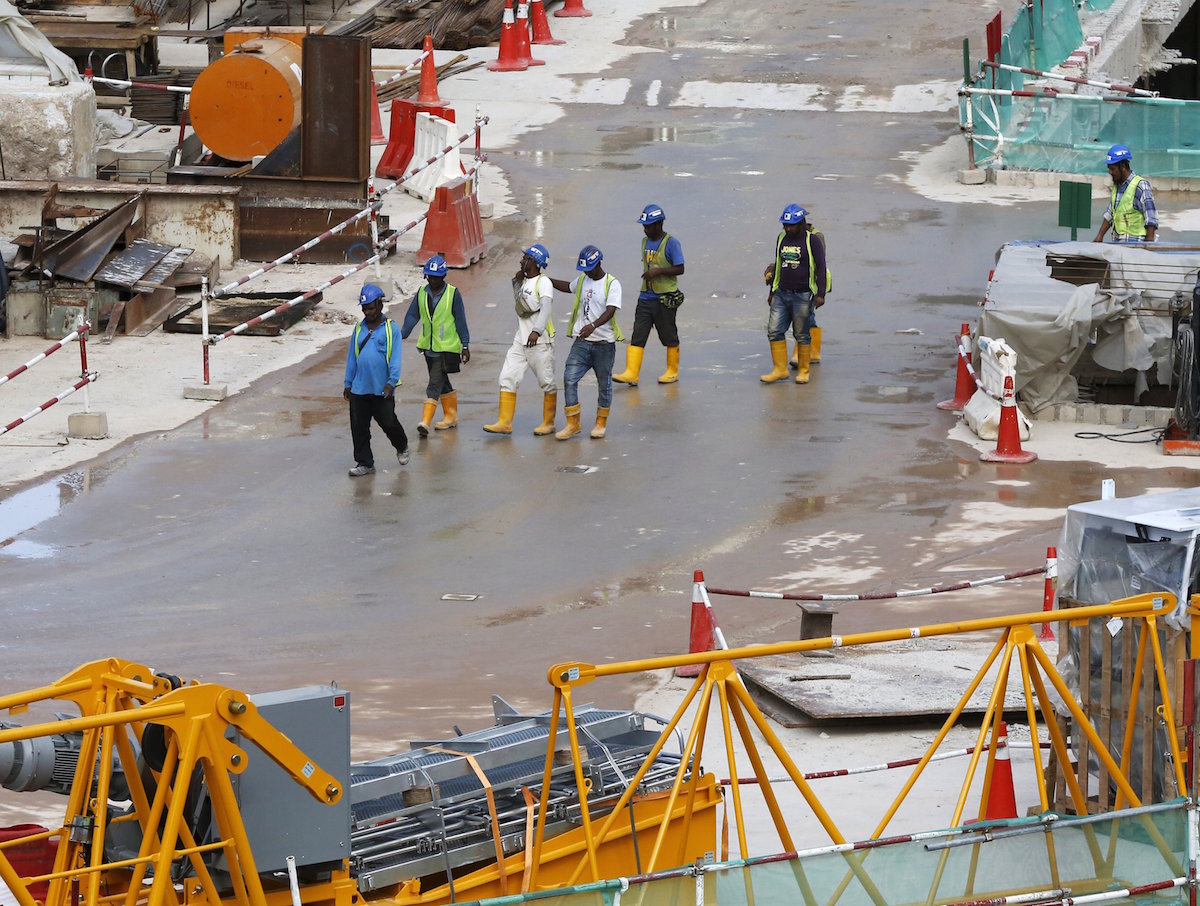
372, 375
593, 324
1131, 212
532, 346
438, 307
797, 281
659, 299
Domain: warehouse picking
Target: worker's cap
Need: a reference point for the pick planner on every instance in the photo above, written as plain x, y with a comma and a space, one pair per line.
370, 294
435, 267
652, 213
589, 257
539, 254
1116, 154
793, 213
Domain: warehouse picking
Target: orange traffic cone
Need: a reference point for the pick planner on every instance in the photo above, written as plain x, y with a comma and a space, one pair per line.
541, 25
427, 92
523, 35
1001, 797
1047, 634
377, 136
573, 8
703, 632
509, 59
1008, 440
964, 384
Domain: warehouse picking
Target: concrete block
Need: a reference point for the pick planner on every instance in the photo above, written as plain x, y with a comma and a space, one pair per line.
975, 177
486, 210
49, 131
87, 425
212, 392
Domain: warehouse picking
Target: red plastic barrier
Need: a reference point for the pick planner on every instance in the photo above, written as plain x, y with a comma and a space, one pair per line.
402, 137
454, 228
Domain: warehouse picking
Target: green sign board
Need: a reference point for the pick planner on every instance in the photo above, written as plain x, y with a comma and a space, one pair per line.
1075, 206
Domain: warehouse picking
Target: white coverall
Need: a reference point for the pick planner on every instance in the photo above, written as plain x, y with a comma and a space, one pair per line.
537, 293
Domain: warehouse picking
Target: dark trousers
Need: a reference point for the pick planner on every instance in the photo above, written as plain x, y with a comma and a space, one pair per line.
439, 380
364, 408
652, 313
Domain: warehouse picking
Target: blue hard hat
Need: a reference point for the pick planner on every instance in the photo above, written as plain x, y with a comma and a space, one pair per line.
539, 254
652, 213
589, 257
1116, 154
793, 213
435, 267
371, 293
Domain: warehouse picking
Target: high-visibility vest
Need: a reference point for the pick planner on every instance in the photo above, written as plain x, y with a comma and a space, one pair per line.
608, 279
1128, 220
387, 332
812, 267
658, 258
438, 330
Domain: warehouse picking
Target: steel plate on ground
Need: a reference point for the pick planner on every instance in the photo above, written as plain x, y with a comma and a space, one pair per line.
227, 313
898, 679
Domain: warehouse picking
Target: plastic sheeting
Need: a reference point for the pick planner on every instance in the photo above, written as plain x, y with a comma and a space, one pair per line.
31, 51
1124, 323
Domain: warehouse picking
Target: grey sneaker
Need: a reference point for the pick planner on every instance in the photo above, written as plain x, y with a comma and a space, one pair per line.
403, 457
360, 470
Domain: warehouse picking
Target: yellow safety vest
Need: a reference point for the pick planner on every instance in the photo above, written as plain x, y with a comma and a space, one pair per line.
1127, 220
658, 258
608, 279
438, 331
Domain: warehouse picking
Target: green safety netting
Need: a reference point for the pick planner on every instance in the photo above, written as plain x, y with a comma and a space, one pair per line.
1104, 854
1070, 132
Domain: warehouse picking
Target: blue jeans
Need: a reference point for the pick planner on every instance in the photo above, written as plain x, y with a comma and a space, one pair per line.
585, 357
790, 308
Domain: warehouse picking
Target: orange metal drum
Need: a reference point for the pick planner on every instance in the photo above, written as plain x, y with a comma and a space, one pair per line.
246, 103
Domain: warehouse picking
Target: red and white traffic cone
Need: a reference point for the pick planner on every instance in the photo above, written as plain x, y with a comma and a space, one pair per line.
1047, 634
523, 48
1002, 798
377, 136
1008, 440
509, 59
703, 633
541, 25
427, 92
573, 8
964, 382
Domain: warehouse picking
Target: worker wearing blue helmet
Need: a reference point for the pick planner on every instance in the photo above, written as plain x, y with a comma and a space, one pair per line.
444, 338
372, 375
1131, 212
658, 300
533, 344
797, 281
593, 324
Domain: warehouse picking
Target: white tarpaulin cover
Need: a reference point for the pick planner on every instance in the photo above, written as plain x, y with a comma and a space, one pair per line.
25, 52
1050, 322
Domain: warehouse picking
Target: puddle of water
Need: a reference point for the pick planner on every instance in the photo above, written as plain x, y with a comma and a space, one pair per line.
31, 507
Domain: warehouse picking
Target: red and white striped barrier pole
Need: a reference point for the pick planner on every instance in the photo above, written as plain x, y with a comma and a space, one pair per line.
1047, 634
204, 324
74, 334
1075, 80
879, 596
83, 382
374, 209
400, 72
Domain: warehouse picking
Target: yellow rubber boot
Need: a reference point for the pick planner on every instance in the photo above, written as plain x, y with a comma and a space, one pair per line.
815, 333
449, 411
508, 405
802, 374
633, 366
601, 423
572, 428
427, 413
794, 361
779, 360
671, 375
549, 408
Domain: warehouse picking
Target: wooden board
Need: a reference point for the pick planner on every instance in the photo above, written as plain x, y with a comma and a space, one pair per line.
226, 314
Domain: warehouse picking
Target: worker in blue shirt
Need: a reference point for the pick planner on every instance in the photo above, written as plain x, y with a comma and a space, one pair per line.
372, 375
1131, 212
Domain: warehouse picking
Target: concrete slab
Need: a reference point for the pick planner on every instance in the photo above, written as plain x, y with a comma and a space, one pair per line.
87, 425
919, 678
211, 392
